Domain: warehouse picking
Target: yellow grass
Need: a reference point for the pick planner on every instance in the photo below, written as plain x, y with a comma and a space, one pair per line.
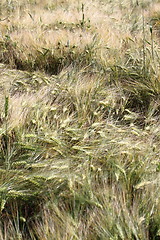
79, 120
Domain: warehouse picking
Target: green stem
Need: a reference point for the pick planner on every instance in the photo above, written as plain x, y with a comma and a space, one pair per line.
6, 132
144, 53
152, 43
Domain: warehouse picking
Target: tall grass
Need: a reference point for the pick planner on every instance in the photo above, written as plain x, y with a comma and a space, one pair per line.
79, 120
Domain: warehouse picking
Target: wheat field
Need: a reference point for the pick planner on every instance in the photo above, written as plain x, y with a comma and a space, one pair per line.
79, 120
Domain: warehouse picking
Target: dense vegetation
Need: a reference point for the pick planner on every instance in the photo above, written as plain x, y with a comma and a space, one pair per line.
79, 120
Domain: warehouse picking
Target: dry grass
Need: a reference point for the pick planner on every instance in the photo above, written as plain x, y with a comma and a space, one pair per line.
33, 32
79, 121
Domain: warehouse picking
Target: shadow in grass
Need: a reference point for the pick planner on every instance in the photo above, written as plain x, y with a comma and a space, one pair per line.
50, 61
